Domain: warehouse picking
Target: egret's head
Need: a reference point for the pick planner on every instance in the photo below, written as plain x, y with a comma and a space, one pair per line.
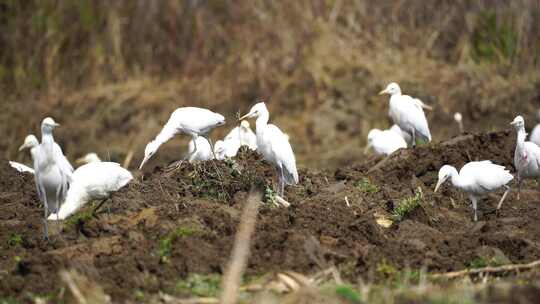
48, 124
371, 137
88, 158
257, 110
458, 117
244, 124
149, 151
29, 142
518, 122
444, 173
391, 89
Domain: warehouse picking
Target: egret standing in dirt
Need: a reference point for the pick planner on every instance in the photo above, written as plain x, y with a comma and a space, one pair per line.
407, 113
535, 133
477, 179
53, 171
30, 142
274, 146
385, 142
190, 120
92, 181
526, 155
244, 135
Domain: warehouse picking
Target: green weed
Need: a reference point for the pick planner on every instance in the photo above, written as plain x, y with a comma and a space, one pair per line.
15, 240
407, 206
480, 262
199, 285
348, 293
366, 186
270, 196
8, 300
80, 218
165, 244
493, 40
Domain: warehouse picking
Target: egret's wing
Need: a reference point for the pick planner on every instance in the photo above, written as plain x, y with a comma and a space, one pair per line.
535, 135
283, 153
533, 152
233, 134
410, 113
485, 174
196, 120
21, 167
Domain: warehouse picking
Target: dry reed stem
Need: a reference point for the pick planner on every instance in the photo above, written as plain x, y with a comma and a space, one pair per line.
240, 253
489, 269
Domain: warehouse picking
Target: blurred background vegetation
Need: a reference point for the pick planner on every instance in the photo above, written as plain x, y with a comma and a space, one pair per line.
111, 72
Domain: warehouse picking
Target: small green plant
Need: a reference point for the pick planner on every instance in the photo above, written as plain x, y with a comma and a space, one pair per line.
386, 269
165, 244
270, 196
199, 285
408, 205
480, 262
366, 186
15, 240
8, 300
139, 295
80, 218
493, 40
348, 293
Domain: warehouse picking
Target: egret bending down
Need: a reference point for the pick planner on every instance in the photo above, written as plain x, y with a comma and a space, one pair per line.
274, 146
385, 142
199, 149
190, 120
477, 179
526, 155
226, 148
53, 171
407, 113
93, 181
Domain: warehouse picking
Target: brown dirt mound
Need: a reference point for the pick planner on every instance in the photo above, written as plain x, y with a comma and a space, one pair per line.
169, 223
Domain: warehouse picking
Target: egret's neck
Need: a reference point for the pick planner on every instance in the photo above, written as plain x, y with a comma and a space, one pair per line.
262, 121
457, 180
520, 141
166, 133
46, 136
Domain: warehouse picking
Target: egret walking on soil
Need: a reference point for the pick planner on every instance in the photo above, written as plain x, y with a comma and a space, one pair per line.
274, 146
535, 133
92, 181
477, 179
407, 113
385, 142
53, 171
190, 120
526, 155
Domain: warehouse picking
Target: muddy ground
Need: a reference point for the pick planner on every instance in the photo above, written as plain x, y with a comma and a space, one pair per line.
172, 222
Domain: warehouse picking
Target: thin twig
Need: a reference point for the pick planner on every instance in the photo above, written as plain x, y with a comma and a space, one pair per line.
489, 269
128, 159
240, 253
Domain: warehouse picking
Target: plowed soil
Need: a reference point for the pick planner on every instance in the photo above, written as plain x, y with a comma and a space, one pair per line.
196, 208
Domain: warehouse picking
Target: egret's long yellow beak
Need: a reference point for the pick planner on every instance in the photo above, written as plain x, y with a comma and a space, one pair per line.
80, 160
22, 147
513, 123
243, 117
382, 92
439, 183
426, 107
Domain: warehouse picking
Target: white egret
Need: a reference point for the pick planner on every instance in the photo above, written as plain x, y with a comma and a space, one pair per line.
190, 120
244, 135
535, 133
407, 113
459, 119
199, 149
385, 142
477, 178
92, 181
526, 155
30, 142
406, 136
53, 171
88, 158
226, 148
274, 146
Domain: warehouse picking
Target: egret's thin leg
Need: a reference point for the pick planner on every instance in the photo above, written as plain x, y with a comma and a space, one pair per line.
99, 206
211, 147
46, 209
474, 204
281, 182
503, 197
413, 138
520, 181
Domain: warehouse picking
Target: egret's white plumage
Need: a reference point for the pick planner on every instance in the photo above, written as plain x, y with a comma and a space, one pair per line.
244, 135
203, 151
52, 172
190, 120
406, 136
535, 133
30, 142
88, 158
274, 145
526, 155
477, 179
92, 181
21, 167
385, 142
407, 113
459, 119
226, 148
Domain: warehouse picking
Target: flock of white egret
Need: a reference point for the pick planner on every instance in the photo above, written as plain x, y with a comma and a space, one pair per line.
64, 190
